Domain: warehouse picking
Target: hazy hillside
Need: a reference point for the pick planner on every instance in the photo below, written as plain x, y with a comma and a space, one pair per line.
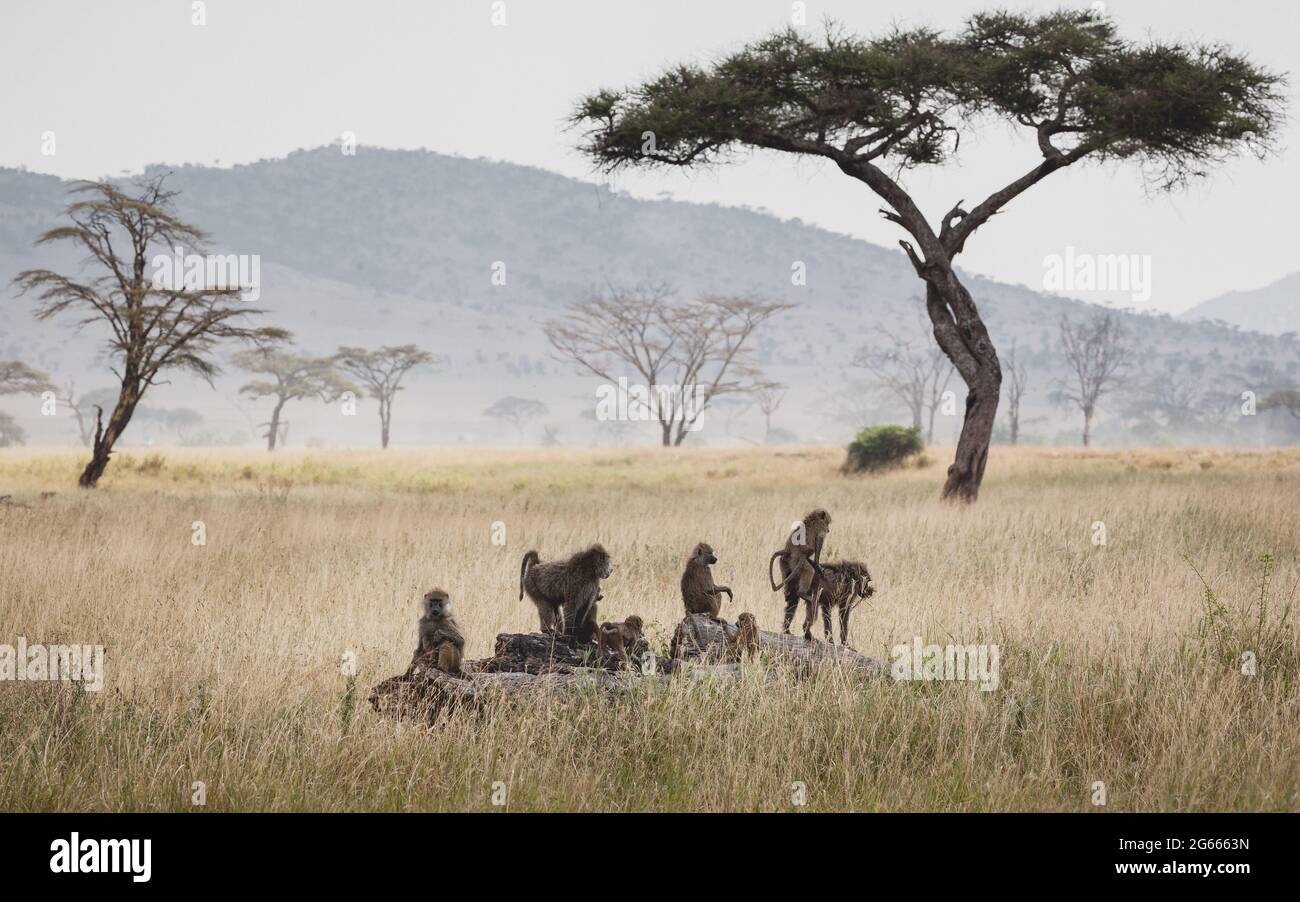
398, 246
1274, 308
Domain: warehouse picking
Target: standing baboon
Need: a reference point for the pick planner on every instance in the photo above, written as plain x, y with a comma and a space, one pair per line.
442, 644
800, 565
844, 584
745, 643
566, 592
623, 638
699, 593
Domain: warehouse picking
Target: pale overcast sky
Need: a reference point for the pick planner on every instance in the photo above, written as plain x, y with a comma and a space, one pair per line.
125, 83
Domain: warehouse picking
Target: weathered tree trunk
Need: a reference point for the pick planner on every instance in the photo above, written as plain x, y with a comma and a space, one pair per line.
273, 428
385, 420
529, 666
1087, 427
105, 438
963, 337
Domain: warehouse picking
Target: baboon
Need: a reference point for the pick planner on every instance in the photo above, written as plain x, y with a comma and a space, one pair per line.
620, 637
699, 593
801, 569
745, 643
566, 592
442, 644
844, 584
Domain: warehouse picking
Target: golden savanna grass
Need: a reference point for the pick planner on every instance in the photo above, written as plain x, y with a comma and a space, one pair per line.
224, 659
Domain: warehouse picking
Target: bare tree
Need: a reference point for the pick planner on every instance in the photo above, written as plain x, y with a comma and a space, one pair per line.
686, 354
293, 377
1096, 352
769, 396
518, 412
1016, 376
913, 370
155, 327
381, 372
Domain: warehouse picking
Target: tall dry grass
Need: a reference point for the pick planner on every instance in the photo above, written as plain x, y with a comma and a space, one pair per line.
224, 659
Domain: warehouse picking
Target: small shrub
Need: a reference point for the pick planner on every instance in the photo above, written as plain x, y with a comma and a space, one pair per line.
882, 447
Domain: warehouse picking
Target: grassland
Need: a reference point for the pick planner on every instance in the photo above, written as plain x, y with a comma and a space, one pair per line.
224, 658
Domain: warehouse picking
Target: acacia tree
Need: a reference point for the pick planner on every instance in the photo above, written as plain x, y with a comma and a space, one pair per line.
1018, 377
879, 107
293, 378
518, 412
1095, 351
381, 372
155, 327
17, 378
769, 397
686, 354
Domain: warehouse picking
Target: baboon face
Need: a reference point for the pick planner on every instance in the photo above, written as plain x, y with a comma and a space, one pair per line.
600, 558
704, 554
635, 623
436, 603
818, 516
746, 620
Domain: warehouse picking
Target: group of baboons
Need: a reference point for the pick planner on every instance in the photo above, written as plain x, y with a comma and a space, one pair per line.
566, 593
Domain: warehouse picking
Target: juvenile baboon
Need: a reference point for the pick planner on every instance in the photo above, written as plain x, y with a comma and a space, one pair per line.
699, 593
620, 637
800, 565
745, 643
844, 584
566, 591
442, 644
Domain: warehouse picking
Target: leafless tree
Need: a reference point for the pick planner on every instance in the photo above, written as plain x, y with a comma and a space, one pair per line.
1016, 376
1096, 352
293, 377
769, 396
912, 369
155, 327
685, 354
381, 372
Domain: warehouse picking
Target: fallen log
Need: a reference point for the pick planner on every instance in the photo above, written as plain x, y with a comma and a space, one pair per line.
528, 666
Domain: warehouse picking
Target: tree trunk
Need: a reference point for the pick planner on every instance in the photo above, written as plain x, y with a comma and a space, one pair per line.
1087, 427
273, 429
105, 438
667, 429
385, 420
963, 337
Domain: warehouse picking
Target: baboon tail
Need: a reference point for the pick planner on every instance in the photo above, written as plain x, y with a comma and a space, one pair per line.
529, 559
776, 587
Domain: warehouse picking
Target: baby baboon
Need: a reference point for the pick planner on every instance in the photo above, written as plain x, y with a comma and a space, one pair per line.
566, 592
620, 637
801, 569
844, 584
745, 643
442, 644
699, 593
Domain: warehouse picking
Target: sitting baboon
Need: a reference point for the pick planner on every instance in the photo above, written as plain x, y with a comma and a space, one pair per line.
442, 644
565, 592
745, 643
624, 638
843, 585
801, 569
699, 593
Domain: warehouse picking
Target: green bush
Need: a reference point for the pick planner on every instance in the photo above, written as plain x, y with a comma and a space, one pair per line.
882, 447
